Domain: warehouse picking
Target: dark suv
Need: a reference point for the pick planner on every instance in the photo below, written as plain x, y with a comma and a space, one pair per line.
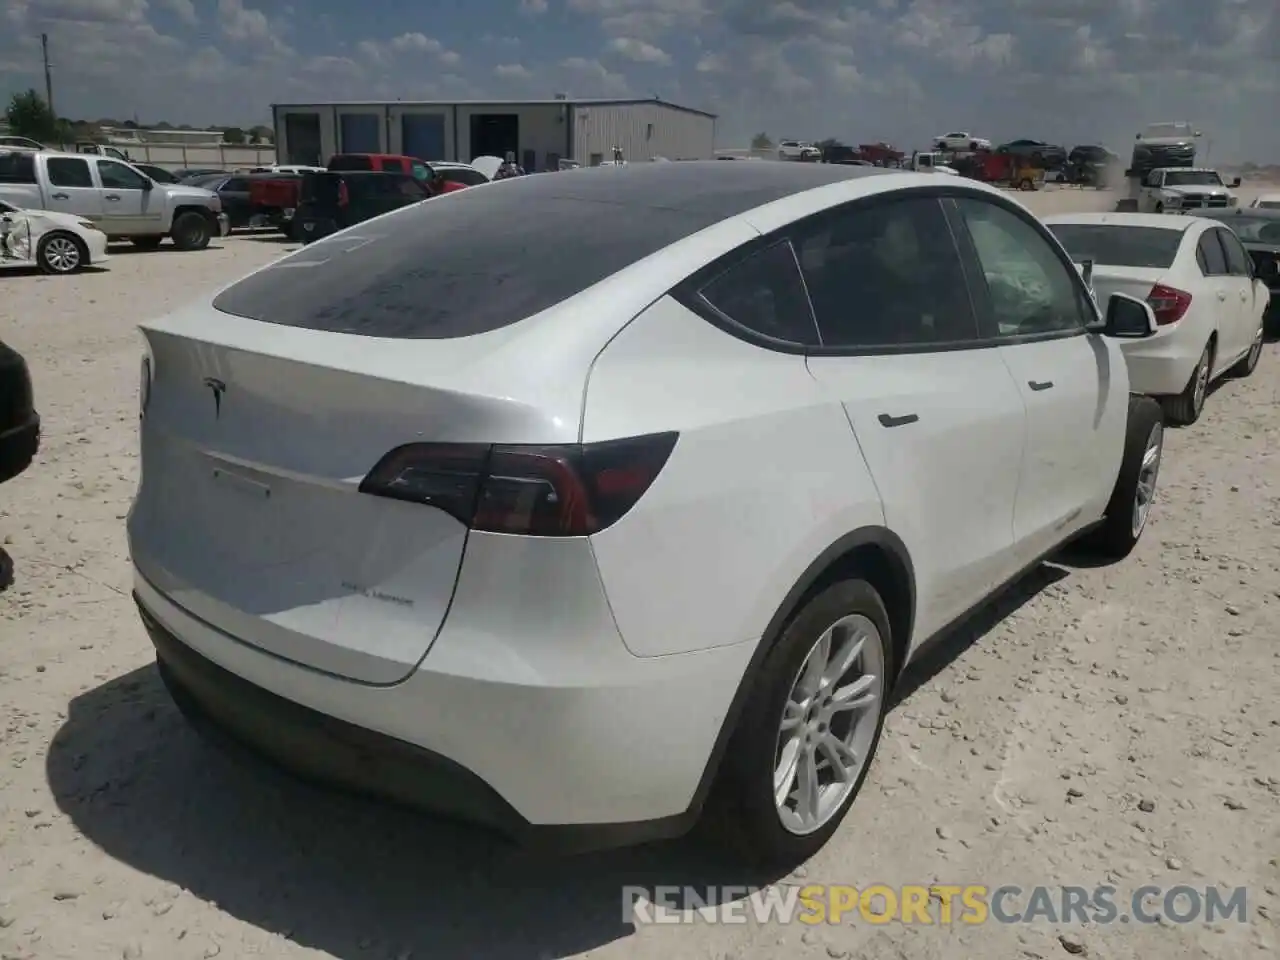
333, 201
19, 422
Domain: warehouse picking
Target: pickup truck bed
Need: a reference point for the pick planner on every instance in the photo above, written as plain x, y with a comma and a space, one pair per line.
276, 198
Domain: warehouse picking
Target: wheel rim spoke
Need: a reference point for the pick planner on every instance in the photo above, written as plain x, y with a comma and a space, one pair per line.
857, 695
828, 724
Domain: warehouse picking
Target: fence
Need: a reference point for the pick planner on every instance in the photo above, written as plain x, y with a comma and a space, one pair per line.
222, 156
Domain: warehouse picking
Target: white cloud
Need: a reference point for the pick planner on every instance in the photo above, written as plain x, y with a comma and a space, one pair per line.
90, 11
533, 8
407, 45
249, 28
184, 10
639, 51
591, 78
512, 71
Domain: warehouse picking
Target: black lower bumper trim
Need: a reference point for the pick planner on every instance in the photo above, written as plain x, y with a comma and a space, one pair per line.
323, 749
18, 447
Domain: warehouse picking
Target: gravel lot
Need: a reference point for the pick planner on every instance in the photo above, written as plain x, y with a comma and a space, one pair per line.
1103, 725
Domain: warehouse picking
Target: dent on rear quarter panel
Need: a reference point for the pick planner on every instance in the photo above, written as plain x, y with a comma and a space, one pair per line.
765, 476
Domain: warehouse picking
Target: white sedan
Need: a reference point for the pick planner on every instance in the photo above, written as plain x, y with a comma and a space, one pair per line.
960, 140
1267, 201
778, 435
1196, 276
54, 242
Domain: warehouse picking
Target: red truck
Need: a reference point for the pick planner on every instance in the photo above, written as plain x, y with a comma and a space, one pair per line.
276, 198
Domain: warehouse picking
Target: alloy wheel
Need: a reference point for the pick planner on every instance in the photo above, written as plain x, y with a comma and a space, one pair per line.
62, 254
1147, 474
829, 724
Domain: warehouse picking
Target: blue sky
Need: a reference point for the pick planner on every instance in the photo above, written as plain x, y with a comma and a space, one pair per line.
901, 70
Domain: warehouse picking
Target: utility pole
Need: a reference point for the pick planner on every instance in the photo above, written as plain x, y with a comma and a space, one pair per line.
48, 77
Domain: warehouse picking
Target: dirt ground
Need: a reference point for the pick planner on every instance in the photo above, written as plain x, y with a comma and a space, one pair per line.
1115, 725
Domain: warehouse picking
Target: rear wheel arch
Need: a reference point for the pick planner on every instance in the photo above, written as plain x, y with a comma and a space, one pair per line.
874, 554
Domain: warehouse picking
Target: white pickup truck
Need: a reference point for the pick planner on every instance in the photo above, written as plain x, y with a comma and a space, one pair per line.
1178, 189
118, 199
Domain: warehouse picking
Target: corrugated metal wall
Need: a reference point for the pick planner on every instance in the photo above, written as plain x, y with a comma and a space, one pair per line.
643, 131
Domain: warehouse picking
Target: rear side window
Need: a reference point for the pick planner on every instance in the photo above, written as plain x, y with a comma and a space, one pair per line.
886, 276
17, 168
1237, 259
1213, 262
456, 268
69, 172
765, 294
1119, 246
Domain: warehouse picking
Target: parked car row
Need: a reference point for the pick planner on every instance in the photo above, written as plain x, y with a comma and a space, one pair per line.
58, 211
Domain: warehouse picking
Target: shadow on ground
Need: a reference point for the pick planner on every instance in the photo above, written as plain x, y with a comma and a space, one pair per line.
357, 878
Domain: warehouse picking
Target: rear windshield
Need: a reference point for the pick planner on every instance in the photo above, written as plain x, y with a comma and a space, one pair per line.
454, 267
351, 161
1118, 246
1255, 229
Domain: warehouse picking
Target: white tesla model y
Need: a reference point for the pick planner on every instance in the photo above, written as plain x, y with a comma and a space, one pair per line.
575, 503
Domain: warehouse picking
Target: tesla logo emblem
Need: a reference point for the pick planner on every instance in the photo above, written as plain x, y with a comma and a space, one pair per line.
218, 388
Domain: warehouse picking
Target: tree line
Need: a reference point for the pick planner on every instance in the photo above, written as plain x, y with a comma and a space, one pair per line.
29, 116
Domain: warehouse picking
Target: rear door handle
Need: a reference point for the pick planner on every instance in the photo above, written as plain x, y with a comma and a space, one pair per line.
60, 196
1222, 295
112, 196
1039, 385
888, 421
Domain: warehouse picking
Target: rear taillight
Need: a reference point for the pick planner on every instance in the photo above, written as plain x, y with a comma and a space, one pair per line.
343, 197
569, 490
1168, 304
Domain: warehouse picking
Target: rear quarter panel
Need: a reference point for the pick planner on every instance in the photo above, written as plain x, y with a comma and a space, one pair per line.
765, 476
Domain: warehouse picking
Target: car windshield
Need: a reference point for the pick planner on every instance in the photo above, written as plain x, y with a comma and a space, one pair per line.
1118, 246
1264, 230
1192, 178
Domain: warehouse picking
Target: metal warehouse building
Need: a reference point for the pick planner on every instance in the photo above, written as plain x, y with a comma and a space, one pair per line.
541, 132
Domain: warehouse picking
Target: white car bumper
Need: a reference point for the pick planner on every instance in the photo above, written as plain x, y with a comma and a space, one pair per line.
96, 242
528, 715
1162, 365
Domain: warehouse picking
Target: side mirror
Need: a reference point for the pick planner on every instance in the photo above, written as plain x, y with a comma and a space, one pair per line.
1235, 183
1129, 318
147, 185
1268, 270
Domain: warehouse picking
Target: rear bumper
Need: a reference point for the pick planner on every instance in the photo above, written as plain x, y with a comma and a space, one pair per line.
18, 447
557, 741
1162, 365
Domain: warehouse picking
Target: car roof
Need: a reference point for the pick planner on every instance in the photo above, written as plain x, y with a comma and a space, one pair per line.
703, 192
1260, 213
1158, 221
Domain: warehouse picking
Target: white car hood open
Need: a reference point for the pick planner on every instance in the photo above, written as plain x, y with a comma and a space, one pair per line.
487, 165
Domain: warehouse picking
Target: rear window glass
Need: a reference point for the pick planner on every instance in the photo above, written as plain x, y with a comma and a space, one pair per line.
350, 162
1119, 246
455, 267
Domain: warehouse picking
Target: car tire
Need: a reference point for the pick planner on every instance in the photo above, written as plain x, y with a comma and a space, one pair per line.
191, 231
1130, 505
748, 816
146, 243
1249, 362
1185, 409
61, 253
